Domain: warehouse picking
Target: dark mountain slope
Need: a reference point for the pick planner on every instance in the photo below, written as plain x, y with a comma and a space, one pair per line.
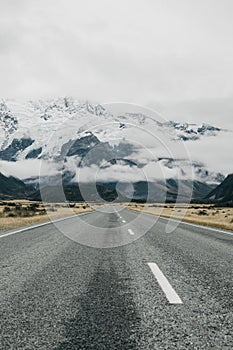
224, 192
17, 146
159, 191
13, 188
141, 191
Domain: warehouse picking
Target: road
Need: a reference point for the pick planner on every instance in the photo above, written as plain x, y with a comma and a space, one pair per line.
138, 290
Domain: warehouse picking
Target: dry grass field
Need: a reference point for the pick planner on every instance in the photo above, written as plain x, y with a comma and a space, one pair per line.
202, 214
22, 213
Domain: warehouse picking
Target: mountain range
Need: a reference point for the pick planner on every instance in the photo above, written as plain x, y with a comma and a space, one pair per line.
160, 191
13, 188
44, 142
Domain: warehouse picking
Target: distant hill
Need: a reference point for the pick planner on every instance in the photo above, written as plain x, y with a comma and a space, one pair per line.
13, 188
224, 192
160, 191
141, 191
74, 193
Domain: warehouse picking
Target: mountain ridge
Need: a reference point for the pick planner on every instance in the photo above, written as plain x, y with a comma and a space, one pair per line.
160, 191
224, 192
71, 134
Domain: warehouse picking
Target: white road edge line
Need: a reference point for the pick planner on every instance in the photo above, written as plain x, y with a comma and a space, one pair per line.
40, 225
131, 232
169, 291
188, 223
196, 225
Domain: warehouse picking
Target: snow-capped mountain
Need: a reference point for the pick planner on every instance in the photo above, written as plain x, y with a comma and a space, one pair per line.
68, 135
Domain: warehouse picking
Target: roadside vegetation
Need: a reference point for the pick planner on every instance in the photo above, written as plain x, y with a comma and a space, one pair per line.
22, 213
202, 214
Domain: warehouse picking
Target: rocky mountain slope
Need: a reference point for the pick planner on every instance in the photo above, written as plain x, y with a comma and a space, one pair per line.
224, 192
13, 188
66, 135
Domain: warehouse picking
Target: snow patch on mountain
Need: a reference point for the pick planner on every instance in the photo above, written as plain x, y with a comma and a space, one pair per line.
70, 134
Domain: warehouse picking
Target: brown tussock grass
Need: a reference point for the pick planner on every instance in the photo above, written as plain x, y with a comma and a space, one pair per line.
201, 214
53, 211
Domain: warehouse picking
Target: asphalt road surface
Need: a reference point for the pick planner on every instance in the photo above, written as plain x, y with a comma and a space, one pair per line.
137, 290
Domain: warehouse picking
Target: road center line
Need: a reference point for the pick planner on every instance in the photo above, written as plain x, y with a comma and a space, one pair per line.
131, 232
169, 291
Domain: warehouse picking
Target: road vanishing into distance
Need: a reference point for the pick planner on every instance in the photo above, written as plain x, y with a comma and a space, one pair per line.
94, 281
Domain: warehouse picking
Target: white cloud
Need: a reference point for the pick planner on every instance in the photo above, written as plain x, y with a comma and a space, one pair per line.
148, 52
123, 173
28, 168
174, 56
215, 154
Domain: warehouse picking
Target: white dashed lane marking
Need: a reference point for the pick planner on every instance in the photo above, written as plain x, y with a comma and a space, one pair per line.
169, 291
131, 232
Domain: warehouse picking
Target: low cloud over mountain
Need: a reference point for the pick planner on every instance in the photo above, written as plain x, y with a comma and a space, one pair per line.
97, 143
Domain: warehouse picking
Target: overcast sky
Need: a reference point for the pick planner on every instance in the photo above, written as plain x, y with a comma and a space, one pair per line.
175, 56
